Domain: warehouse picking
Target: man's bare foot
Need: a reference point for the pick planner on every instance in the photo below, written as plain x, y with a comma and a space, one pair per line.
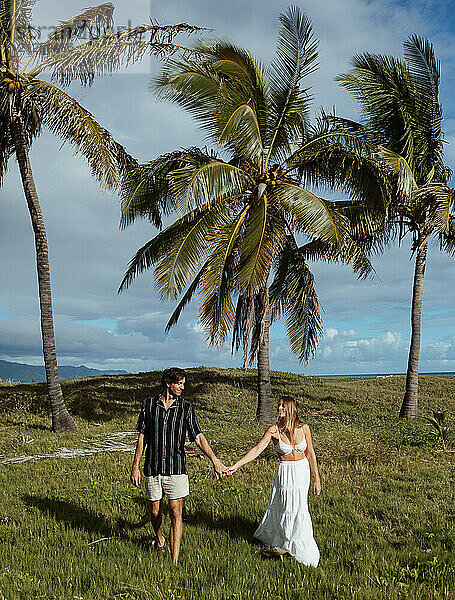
160, 545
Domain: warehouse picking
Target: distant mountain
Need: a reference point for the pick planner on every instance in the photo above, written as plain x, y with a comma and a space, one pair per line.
10, 371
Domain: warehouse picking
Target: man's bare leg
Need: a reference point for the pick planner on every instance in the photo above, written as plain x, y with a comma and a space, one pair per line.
156, 518
175, 511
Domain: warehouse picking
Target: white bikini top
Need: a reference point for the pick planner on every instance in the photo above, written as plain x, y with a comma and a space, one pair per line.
284, 449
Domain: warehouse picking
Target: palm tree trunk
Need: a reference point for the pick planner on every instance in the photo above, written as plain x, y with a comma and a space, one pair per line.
61, 419
410, 402
265, 410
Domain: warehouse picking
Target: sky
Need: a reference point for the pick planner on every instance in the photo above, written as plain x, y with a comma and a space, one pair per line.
366, 323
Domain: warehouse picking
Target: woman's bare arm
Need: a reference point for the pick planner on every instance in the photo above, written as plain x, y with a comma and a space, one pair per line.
311, 456
254, 452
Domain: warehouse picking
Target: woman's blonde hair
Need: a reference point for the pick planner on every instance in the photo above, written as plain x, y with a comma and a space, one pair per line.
291, 419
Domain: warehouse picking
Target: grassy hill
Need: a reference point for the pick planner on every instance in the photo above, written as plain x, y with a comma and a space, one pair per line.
384, 522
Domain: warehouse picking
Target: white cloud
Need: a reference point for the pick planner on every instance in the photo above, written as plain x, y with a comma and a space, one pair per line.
331, 333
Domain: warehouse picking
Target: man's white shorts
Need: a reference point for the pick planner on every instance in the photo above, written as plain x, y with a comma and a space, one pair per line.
174, 486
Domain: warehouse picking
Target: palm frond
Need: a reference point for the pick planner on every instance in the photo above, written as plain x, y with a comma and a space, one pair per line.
241, 132
190, 239
400, 102
447, 239
251, 310
218, 280
353, 253
424, 70
446, 206
16, 27
198, 184
367, 233
436, 202
69, 120
296, 58
216, 313
145, 258
373, 231
340, 160
243, 325
263, 235
337, 123
293, 128
292, 292
106, 54
6, 15
226, 239
235, 64
6, 145
259, 308
236, 117
194, 86
146, 190
401, 168
422, 64
296, 51
31, 126
90, 22
242, 81
309, 213
383, 89
30, 120
187, 297
172, 245
326, 138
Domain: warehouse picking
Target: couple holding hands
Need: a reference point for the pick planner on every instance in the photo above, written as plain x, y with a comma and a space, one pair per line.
163, 423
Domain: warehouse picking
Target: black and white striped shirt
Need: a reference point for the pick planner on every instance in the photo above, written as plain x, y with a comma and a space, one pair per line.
164, 432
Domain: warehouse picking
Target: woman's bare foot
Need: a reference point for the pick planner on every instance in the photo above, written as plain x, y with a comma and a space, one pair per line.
275, 551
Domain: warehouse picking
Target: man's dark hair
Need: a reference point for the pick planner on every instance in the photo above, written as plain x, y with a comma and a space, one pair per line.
171, 375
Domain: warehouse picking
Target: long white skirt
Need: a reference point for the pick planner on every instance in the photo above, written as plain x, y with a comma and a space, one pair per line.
287, 522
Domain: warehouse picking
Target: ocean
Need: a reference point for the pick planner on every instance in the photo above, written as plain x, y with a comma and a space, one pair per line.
445, 374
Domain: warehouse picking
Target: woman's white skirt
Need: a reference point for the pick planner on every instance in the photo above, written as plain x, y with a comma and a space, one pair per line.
287, 522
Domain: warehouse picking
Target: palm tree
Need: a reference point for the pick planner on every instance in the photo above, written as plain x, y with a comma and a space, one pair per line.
399, 102
80, 48
241, 207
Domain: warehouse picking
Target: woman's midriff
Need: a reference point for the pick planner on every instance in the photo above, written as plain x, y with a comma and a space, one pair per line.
293, 457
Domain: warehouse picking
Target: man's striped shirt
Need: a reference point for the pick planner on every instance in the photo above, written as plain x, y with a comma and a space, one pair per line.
164, 432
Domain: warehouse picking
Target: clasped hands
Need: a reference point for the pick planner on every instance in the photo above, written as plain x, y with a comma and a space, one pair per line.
230, 470
222, 471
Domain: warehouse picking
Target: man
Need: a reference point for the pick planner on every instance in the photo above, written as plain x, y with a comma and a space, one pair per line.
163, 423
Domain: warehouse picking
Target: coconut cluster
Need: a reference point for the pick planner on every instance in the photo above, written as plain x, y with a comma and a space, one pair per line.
270, 176
11, 81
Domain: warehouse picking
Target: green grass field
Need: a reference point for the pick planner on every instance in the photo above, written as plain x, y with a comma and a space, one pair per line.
384, 522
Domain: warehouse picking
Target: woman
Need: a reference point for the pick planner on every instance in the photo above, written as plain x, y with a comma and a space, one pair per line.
286, 526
